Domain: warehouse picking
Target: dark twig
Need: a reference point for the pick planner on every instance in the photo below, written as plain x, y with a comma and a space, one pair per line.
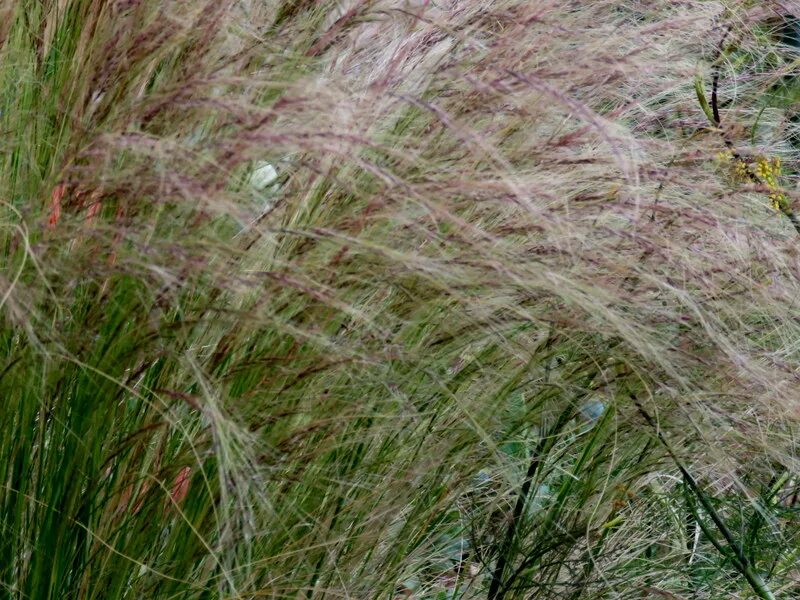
733, 550
717, 118
497, 589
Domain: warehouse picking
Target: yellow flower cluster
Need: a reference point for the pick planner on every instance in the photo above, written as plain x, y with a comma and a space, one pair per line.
724, 156
738, 167
768, 171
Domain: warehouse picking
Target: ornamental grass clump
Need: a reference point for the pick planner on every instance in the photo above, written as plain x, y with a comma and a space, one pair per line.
385, 299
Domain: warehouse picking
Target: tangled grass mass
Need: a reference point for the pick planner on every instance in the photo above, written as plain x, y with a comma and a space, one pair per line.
394, 299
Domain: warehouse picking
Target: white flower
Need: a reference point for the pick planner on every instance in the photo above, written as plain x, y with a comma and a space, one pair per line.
263, 193
263, 176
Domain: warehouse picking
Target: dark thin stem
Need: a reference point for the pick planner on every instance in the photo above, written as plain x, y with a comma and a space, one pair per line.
715, 77
734, 550
497, 590
714, 101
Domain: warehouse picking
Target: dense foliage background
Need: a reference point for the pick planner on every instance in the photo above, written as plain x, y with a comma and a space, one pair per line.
393, 299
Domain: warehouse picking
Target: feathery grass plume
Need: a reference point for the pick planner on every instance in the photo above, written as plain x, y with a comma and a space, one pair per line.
400, 361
